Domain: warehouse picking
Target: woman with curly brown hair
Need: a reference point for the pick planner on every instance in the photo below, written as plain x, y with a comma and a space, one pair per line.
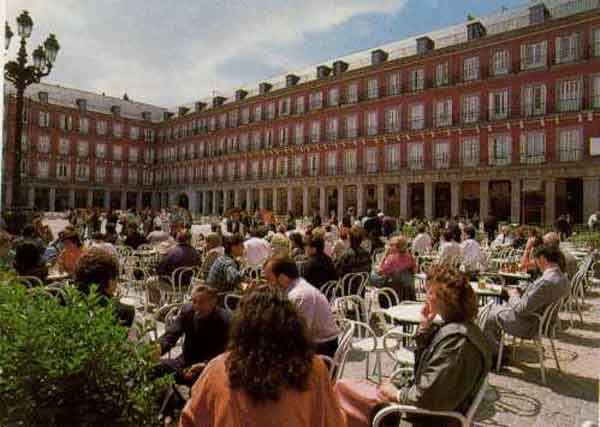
452, 357
269, 377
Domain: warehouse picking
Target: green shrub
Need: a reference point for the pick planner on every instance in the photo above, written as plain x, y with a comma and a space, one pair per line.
68, 363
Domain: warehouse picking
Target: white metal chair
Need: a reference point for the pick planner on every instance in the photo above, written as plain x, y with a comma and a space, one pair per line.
338, 362
182, 278
466, 420
354, 283
576, 298
331, 290
31, 281
546, 329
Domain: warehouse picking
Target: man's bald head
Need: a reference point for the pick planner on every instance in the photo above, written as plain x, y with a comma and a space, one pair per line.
552, 239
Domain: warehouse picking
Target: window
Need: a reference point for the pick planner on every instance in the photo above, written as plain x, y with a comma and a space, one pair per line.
44, 119
315, 100
570, 94
596, 92
282, 167
133, 155
442, 75
258, 113
84, 125
149, 135
470, 109
570, 145
372, 88
596, 42
333, 97
63, 147
82, 172
231, 171
100, 151
533, 147
299, 134
417, 116
300, 105
243, 142
393, 84
256, 140
313, 164
352, 126
101, 127
133, 175
233, 118
62, 170
392, 119
65, 122
245, 115
283, 136
332, 128
100, 173
270, 111
567, 48
534, 55
219, 171
350, 161
372, 160
499, 150
332, 163
44, 143
415, 155
268, 138
499, 107
500, 62
117, 130
417, 79
352, 93
223, 121
443, 113
469, 152
117, 152
82, 149
43, 168
243, 169
372, 125
284, 106
134, 132
298, 162
24, 142
392, 157
315, 132
471, 69
148, 176
441, 155
534, 100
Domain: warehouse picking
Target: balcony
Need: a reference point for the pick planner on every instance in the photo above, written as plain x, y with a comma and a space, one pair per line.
332, 136
441, 161
470, 117
373, 93
442, 120
417, 124
392, 127
316, 104
351, 133
501, 114
392, 165
569, 104
595, 49
299, 140
534, 109
573, 154
313, 171
393, 90
417, 84
596, 102
372, 167
350, 169
533, 159
372, 130
315, 138
416, 163
532, 62
332, 170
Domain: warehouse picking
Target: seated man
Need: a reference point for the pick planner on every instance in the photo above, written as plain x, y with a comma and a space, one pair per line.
205, 328
256, 247
310, 302
319, 268
516, 317
471, 253
157, 236
181, 255
214, 249
503, 238
225, 274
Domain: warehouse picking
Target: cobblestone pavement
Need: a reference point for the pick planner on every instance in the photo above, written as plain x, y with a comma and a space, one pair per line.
570, 397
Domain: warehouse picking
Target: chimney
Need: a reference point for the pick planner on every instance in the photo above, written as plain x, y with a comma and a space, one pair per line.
240, 94
339, 67
81, 104
146, 115
475, 30
182, 111
424, 45
218, 101
115, 110
378, 56
538, 13
167, 115
264, 88
43, 97
323, 71
199, 106
291, 80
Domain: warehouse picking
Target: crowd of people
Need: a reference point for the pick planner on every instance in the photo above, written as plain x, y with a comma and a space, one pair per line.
263, 362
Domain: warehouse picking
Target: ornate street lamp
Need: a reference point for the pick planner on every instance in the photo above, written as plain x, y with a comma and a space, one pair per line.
21, 75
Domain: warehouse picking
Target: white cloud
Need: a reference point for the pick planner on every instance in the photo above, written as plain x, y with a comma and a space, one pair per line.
173, 52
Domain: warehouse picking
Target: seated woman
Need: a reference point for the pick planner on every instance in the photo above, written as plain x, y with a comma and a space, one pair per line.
98, 267
527, 263
297, 245
452, 354
397, 269
269, 377
71, 253
354, 259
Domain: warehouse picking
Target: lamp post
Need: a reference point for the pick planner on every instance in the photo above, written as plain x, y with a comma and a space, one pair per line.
22, 74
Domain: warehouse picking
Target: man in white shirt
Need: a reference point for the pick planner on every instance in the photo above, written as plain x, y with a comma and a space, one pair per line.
312, 305
503, 238
449, 251
257, 249
470, 251
422, 241
157, 235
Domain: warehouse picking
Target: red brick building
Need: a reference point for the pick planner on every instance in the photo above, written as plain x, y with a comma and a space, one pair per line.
499, 115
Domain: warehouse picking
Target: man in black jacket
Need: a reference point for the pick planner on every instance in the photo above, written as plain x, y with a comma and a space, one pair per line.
319, 268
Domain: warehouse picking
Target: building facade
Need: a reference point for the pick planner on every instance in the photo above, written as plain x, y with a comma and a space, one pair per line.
497, 116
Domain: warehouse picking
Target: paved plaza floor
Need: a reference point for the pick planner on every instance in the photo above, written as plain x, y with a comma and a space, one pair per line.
570, 397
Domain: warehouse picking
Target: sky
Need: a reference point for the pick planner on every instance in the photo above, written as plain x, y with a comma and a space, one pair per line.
168, 53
